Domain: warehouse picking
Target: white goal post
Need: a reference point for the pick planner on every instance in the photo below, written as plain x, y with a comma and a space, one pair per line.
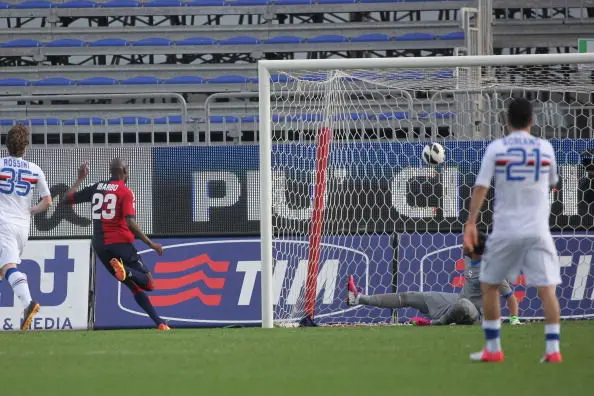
343, 191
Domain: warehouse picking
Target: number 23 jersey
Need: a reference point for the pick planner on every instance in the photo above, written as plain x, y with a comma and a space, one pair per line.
524, 169
112, 203
18, 180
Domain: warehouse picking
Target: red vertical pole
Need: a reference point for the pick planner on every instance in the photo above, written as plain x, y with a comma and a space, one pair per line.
317, 220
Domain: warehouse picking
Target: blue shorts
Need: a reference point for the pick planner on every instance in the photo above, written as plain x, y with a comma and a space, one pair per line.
123, 251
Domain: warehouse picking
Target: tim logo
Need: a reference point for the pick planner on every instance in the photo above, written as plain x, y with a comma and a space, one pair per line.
180, 281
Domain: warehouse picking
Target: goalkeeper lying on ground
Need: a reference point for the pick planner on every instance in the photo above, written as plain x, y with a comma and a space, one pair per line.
442, 308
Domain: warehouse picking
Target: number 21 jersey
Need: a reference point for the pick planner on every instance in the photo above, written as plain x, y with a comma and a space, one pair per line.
112, 203
524, 168
18, 180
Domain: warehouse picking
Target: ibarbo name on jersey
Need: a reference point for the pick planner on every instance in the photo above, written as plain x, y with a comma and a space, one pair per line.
215, 282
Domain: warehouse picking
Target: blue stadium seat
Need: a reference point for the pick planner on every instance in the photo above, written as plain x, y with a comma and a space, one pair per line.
229, 80
313, 77
240, 40
335, 1
7, 122
85, 121
97, 81
283, 40
153, 41
168, 120
407, 75
378, 1
163, 3
120, 3
3, 6
206, 3
21, 43
444, 74
196, 41
109, 42
453, 36
129, 121
279, 78
328, 38
141, 80
415, 37
78, 4
66, 43
292, 2
185, 80
42, 121
13, 82
223, 119
304, 117
27, 5
399, 115
52, 81
250, 119
246, 2
370, 37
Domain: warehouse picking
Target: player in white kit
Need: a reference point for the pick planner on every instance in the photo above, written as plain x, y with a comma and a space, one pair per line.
524, 168
18, 180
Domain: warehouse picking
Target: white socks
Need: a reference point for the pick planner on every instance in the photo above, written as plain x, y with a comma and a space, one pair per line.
491, 329
552, 336
18, 282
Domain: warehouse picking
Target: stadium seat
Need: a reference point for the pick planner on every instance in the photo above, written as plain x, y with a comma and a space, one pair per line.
304, 117
196, 41
129, 121
223, 119
78, 4
292, 2
41, 121
335, 1
185, 80
283, 40
13, 82
399, 115
406, 75
85, 121
229, 80
313, 77
415, 37
168, 120
97, 81
378, 1
3, 6
21, 43
27, 5
7, 122
279, 78
163, 3
240, 40
246, 2
52, 81
153, 42
119, 4
109, 42
250, 119
453, 36
141, 80
206, 3
328, 38
65, 43
370, 37
444, 74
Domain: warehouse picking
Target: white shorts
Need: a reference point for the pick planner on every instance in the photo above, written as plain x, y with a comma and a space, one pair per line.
12, 243
536, 257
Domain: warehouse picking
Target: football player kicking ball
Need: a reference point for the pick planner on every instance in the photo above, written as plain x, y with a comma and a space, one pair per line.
525, 169
114, 227
442, 308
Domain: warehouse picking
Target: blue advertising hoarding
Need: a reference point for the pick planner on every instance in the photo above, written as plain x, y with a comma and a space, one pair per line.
434, 262
216, 282
215, 190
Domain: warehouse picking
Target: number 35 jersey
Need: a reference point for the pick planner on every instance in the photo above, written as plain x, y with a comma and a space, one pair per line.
524, 168
112, 202
18, 181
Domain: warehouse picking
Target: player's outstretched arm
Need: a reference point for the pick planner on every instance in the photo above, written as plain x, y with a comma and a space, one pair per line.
83, 172
135, 228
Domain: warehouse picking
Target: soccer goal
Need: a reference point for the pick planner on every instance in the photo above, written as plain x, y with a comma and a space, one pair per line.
344, 190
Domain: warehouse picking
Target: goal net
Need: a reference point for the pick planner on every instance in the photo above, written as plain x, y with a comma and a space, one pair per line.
344, 190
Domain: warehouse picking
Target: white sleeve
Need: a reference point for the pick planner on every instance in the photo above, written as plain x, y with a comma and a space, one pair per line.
487, 171
42, 187
553, 175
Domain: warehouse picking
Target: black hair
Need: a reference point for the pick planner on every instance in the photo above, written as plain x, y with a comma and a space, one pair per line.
520, 113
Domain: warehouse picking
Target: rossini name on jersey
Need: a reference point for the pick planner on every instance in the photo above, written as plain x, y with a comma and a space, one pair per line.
16, 163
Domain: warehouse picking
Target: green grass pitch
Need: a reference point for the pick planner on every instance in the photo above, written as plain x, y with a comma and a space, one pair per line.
401, 360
